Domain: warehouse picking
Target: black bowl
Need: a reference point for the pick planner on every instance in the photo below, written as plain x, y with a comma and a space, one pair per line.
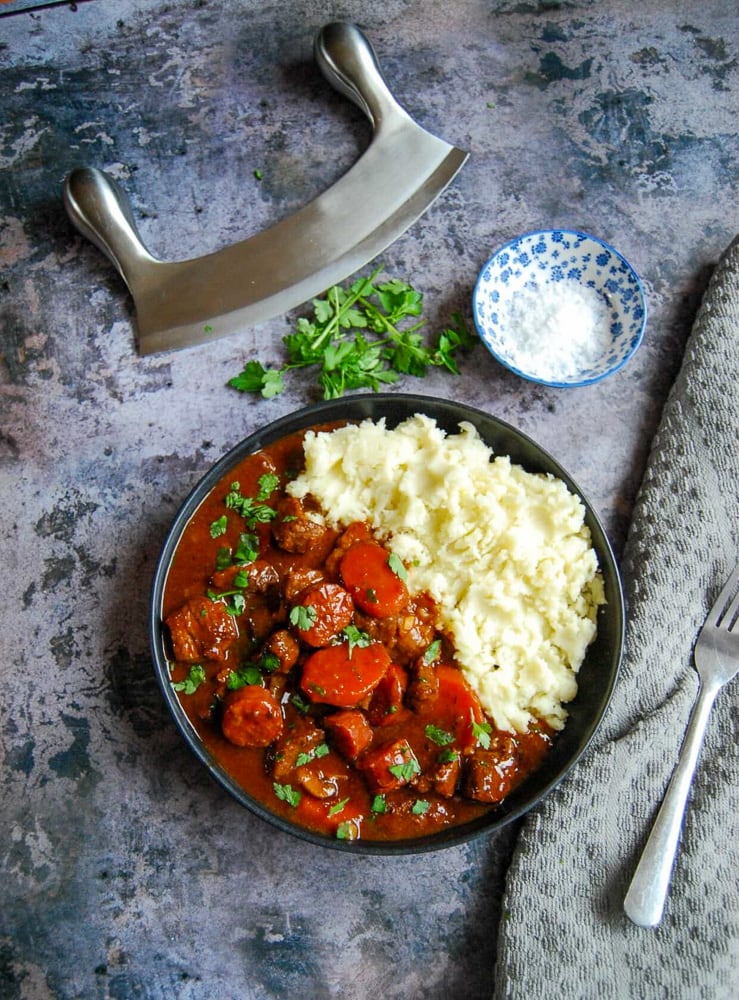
597, 674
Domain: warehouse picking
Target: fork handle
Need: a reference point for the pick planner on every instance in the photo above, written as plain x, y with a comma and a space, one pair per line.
645, 900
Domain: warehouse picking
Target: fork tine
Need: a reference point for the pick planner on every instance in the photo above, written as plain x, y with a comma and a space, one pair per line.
730, 620
724, 603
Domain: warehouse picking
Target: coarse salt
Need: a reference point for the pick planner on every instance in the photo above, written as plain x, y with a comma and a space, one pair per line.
556, 331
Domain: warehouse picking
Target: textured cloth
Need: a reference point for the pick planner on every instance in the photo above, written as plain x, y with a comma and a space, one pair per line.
563, 931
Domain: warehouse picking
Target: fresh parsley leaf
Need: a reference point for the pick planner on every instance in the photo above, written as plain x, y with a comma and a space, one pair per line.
357, 338
302, 616
300, 703
481, 731
247, 550
248, 674
267, 484
286, 793
405, 771
346, 830
192, 682
269, 662
223, 557
219, 526
419, 807
318, 751
337, 807
447, 756
439, 736
252, 510
432, 652
241, 580
379, 805
356, 638
396, 565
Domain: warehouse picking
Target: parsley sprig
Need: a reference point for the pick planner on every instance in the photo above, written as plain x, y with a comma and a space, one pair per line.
357, 338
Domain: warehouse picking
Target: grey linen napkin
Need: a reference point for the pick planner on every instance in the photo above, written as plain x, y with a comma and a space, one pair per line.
563, 931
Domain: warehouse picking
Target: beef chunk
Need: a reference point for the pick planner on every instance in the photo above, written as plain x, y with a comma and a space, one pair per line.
201, 630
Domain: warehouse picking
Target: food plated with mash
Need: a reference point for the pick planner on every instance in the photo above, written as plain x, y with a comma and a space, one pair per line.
382, 630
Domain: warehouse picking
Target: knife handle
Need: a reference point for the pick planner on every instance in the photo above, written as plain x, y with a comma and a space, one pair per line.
350, 65
102, 212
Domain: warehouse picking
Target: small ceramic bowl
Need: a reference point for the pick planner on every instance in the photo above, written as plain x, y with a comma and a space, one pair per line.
559, 307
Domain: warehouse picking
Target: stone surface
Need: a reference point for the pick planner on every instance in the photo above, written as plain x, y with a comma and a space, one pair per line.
126, 871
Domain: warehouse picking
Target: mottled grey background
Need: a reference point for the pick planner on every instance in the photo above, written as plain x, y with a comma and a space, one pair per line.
125, 871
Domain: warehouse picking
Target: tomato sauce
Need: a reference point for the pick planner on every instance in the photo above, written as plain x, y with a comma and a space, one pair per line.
317, 681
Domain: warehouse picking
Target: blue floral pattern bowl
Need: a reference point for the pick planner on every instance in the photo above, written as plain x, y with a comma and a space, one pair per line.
559, 307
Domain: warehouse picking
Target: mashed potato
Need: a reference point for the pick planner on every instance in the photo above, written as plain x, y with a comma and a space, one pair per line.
505, 553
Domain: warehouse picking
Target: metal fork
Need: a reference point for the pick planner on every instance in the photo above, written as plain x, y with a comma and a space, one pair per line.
716, 656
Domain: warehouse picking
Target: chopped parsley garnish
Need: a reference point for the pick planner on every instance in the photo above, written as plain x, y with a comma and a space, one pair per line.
379, 805
219, 526
439, 736
357, 338
405, 771
346, 830
302, 616
234, 600
286, 793
248, 674
300, 703
481, 731
247, 550
252, 510
241, 580
396, 565
269, 662
223, 557
447, 756
337, 807
267, 483
419, 807
432, 652
305, 758
192, 682
356, 638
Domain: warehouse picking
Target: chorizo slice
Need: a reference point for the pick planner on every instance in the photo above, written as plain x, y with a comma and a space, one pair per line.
251, 717
349, 732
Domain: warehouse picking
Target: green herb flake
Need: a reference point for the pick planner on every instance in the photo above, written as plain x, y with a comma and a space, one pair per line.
300, 703
267, 484
419, 807
192, 682
269, 662
303, 617
432, 652
447, 756
219, 526
356, 638
396, 565
247, 550
405, 771
241, 579
248, 674
379, 805
337, 807
481, 732
439, 736
346, 830
286, 793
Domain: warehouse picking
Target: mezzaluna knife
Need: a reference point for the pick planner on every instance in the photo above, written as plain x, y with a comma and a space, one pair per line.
182, 303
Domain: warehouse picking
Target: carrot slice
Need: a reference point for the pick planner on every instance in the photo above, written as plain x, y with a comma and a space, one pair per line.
457, 706
368, 577
334, 676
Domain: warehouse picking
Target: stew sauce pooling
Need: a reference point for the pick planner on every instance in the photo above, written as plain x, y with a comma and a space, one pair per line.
319, 683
